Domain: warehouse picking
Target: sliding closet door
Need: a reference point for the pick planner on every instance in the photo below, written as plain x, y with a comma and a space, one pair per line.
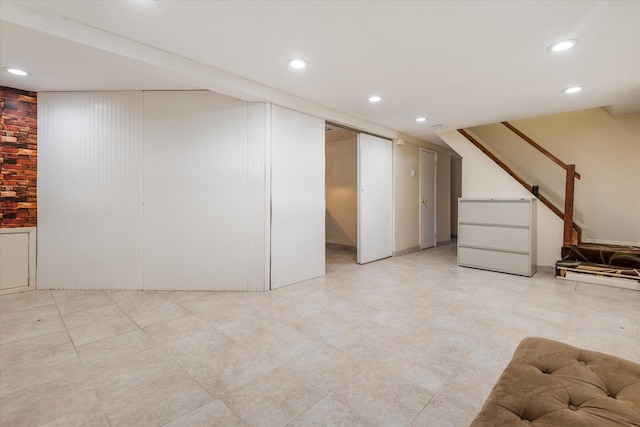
90, 190
196, 211
374, 198
297, 197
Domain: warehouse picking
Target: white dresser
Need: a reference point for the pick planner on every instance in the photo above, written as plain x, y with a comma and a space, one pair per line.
498, 235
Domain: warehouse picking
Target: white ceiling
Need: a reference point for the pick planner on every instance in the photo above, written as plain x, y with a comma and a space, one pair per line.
460, 63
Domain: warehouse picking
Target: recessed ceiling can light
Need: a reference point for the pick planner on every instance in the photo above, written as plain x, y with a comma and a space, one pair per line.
563, 45
297, 63
16, 71
421, 119
572, 89
436, 127
375, 98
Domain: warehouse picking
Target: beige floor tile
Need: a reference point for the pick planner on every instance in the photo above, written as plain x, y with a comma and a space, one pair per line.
384, 396
119, 324
443, 412
139, 300
226, 369
328, 412
412, 339
114, 348
156, 401
35, 348
274, 400
24, 300
28, 315
86, 416
115, 377
47, 401
196, 302
79, 318
29, 329
328, 368
213, 414
29, 374
154, 315
71, 301
177, 329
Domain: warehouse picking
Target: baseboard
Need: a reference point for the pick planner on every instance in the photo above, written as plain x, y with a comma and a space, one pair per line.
406, 251
341, 246
443, 242
546, 269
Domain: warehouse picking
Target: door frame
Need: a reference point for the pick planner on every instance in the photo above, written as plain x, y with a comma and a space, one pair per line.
435, 197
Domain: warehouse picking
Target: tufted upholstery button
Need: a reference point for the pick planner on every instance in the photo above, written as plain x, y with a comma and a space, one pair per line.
572, 407
582, 362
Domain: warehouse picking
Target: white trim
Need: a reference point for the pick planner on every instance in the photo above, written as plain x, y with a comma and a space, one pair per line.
601, 280
31, 231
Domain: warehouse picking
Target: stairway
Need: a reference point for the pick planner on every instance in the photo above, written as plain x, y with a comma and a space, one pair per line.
613, 265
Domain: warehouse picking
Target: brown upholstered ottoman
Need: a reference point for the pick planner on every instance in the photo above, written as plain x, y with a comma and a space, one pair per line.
548, 383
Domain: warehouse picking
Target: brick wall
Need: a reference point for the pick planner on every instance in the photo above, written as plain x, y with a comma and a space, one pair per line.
18, 158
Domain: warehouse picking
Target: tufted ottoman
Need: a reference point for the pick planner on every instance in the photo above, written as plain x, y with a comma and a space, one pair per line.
548, 383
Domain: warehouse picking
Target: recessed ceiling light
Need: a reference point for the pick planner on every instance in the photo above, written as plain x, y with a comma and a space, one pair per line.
421, 119
572, 89
436, 127
563, 45
297, 63
375, 98
16, 71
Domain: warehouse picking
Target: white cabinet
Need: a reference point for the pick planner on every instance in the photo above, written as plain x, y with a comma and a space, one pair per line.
498, 235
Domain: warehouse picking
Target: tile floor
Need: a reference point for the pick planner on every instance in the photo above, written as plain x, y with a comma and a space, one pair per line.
411, 340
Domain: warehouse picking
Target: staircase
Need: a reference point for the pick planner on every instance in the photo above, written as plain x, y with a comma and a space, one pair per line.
604, 264
613, 265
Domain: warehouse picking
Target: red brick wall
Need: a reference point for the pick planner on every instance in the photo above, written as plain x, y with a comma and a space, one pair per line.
18, 158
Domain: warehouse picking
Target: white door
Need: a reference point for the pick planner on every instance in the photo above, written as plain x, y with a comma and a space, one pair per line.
427, 199
374, 198
297, 197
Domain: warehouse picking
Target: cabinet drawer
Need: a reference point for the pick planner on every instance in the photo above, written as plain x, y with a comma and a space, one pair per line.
494, 237
508, 262
512, 212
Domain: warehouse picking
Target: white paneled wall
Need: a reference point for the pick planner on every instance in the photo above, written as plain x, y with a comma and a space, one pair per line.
195, 191
153, 190
90, 190
297, 197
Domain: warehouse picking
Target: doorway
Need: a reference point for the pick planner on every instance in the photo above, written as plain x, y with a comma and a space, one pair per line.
358, 186
427, 198
341, 199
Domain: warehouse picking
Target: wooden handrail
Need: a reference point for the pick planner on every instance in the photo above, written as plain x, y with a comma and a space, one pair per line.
525, 184
539, 147
492, 156
567, 239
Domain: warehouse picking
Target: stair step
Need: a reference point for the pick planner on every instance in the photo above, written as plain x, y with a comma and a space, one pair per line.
609, 275
603, 254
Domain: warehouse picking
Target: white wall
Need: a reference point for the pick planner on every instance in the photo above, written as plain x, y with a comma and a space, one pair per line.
341, 179
406, 197
406, 193
481, 178
606, 152
153, 190
443, 196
